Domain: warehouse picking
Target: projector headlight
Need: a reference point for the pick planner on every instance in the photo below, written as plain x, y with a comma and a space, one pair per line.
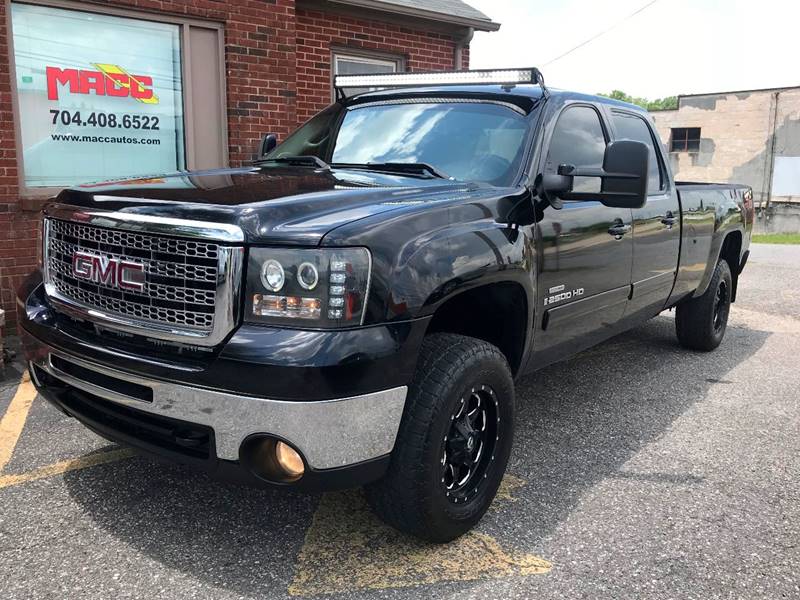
272, 275
324, 287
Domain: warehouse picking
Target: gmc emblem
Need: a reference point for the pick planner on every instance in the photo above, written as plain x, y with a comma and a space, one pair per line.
114, 272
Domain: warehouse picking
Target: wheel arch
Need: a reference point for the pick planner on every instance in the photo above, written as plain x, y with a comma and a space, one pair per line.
731, 252
496, 312
728, 246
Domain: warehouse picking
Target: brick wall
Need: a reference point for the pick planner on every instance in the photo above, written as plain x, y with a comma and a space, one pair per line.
318, 31
277, 73
18, 230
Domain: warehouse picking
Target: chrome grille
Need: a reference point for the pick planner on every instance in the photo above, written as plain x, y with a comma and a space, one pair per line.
181, 276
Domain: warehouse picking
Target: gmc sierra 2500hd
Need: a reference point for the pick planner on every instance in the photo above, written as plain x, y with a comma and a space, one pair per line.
355, 307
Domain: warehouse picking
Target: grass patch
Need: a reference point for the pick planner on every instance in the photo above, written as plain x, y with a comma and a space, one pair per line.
776, 238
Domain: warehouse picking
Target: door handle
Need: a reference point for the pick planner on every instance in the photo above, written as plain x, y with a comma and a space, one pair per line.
669, 219
618, 229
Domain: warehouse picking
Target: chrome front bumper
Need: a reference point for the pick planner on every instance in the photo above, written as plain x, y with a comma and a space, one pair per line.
329, 433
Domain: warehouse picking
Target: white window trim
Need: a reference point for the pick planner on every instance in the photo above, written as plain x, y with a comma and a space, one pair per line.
368, 57
393, 65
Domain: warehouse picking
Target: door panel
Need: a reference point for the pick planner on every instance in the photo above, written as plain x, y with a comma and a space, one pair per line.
656, 226
585, 249
656, 245
584, 316
584, 276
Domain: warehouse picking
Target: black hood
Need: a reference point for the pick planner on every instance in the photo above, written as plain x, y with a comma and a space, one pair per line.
272, 204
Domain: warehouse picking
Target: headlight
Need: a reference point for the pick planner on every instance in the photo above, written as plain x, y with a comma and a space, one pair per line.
325, 287
272, 275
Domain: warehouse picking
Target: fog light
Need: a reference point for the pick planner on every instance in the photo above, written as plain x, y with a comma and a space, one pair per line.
272, 459
289, 460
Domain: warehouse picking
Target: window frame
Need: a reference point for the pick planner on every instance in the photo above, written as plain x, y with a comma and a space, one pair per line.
32, 198
685, 140
365, 56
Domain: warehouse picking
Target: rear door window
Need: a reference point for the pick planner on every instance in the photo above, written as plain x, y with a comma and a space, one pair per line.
631, 127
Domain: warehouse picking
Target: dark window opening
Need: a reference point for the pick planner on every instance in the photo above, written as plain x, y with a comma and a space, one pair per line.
685, 139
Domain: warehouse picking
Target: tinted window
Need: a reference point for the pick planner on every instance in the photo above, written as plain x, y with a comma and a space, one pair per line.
468, 141
312, 139
578, 140
631, 127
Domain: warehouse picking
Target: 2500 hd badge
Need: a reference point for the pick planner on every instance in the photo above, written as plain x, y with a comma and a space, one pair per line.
355, 307
558, 294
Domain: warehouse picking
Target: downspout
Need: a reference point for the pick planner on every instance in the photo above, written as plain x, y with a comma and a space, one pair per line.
771, 163
458, 51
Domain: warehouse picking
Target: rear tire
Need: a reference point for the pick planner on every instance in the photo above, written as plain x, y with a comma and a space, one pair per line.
700, 322
453, 443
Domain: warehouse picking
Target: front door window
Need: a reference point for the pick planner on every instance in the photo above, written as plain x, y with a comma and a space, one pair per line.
578, 140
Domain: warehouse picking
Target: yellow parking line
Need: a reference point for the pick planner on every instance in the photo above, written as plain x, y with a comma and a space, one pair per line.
11, 427
347, 549
14, 420
64, 466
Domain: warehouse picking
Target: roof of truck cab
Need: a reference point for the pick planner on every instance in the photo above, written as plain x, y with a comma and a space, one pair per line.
526, 90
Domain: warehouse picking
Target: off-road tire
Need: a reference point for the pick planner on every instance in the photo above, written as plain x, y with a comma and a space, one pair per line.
700, 322
413, 496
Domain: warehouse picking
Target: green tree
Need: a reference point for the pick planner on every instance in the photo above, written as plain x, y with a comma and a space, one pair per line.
668, 103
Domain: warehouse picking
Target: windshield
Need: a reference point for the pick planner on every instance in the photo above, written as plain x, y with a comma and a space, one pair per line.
469, 141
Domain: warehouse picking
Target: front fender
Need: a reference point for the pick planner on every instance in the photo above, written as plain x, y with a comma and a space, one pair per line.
444, 264
425, 253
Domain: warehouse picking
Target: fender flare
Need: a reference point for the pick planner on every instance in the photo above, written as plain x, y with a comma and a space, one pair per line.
717, 244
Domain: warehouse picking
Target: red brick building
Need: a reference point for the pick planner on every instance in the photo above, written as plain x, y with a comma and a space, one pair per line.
92, 90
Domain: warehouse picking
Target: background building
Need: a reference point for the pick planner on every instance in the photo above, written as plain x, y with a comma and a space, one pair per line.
750, 137
92, 91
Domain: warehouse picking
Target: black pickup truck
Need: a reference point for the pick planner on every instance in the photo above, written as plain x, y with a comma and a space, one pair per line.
354, 308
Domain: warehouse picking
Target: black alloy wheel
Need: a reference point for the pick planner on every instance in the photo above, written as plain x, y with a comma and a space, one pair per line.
469, 446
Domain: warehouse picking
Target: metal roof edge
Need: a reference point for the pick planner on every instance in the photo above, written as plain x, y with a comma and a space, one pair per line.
430, 15
750, 91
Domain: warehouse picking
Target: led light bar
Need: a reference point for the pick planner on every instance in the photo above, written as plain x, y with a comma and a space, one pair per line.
490, 76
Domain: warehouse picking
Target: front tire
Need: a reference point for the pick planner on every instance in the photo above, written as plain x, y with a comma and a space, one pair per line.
453, 443
700, 323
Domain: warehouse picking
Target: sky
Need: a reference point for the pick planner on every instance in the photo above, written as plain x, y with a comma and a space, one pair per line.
672, 47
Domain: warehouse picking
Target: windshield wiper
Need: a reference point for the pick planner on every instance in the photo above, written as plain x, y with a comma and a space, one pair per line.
420, 168
297, 161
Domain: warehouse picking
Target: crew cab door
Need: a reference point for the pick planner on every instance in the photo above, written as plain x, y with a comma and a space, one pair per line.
584, 249
656, 226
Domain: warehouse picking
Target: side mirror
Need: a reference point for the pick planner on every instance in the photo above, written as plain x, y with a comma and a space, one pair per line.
623, 178
268, 144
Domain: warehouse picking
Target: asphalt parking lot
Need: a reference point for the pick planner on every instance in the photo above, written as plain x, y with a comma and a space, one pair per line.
639, 470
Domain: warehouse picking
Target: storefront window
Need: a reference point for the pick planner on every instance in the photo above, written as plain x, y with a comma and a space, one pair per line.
100, 97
